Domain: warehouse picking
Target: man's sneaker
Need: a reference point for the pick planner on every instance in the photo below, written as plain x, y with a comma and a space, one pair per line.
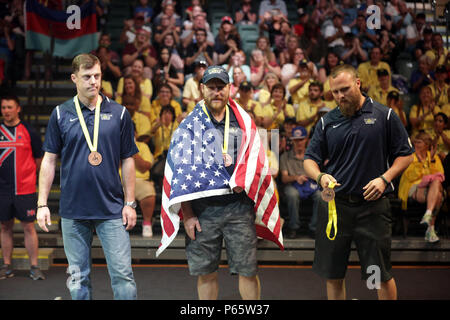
147, 231
427, 217
431, 236
6, 272
36, 273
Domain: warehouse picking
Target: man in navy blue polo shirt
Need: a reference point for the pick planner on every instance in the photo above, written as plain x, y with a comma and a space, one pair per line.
93, 135
359, 147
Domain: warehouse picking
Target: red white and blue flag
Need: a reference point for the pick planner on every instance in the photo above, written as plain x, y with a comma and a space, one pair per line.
194, 169
42, 24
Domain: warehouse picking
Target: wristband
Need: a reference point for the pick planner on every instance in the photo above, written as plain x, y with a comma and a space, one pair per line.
384, 179
42, 206
319, 177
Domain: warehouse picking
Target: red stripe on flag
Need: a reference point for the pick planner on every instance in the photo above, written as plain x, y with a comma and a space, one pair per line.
262, 190
169, 229
166, 187
269, 209
265, 233
59, 30
257, 177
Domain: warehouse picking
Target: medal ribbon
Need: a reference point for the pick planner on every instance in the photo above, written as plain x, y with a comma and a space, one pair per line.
332, 215
92, 146
227, 127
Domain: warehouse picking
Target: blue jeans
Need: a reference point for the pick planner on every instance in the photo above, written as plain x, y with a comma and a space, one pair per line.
115, 240
292, 198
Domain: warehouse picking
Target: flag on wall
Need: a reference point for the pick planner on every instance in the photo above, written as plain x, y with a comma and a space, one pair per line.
74, 31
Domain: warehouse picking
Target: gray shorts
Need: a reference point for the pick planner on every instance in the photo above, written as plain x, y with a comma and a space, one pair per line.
233, 223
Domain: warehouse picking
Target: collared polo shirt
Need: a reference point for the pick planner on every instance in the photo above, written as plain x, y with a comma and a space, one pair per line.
360, 148
90, 192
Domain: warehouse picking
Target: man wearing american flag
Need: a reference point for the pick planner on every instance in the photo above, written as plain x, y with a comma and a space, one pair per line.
217, 181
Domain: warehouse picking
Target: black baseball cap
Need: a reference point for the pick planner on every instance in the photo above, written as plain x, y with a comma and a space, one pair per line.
441, 69
393, 95
216, 72
245, 86
382, 72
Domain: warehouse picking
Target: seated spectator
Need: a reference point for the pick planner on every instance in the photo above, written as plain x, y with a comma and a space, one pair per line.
381, 91
199, 51
245, 14
168, 10
291, 68
299, 28
438, 53
146, 9
314, 44
141, 122
299, 86
144, 189
109, 59
271, 24
245, 100
349, 12
286, 143
423, 76
439, 87
402, 20
132, 88
167, 26
227, 41
165, 72
175, 52
288, 54
321, 13
238, 60
189, 37
395, 103
307, 113
137, 72
270, 79
278, 110
414, 31
237, 78
281, 39
162, 131
367, 37
422, 182
165, 98
331, 60
367, 71
263, 44
389, 47
440, 135
293, 176
191, 12
260, 66
334, 34
191, 90
421, 115
353, 54
142, 49
132, 26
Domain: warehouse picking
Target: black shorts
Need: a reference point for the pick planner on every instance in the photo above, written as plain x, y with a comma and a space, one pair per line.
369, 225
22, 207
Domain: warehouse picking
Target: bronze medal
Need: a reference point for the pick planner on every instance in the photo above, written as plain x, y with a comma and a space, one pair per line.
328, 194
227, 160
95, 158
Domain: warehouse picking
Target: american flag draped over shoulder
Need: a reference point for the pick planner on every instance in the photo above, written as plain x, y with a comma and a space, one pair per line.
194, 169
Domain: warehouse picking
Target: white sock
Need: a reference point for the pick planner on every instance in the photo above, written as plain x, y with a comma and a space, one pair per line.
429, 212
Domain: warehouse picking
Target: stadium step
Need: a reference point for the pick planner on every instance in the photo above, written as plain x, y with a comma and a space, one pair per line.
54, 227
21, 260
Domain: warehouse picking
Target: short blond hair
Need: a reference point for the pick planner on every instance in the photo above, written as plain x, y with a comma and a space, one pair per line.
425, 137
343, 68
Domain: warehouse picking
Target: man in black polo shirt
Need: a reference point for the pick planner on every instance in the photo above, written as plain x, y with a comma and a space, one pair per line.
360, 147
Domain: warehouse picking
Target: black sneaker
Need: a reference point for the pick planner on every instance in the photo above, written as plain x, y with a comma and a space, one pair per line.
291, 234
36, 273
6, 272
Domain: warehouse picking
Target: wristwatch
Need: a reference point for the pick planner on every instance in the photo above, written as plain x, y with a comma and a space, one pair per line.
132, 204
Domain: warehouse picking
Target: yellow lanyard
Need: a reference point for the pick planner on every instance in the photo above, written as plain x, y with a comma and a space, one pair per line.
332, 215
92, 145
227, 127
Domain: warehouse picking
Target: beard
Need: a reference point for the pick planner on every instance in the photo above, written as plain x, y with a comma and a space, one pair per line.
349, 106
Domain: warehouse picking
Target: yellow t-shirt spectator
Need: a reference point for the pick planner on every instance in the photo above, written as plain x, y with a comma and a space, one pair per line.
146, 88
162, 137
307, 110
270, 110
441, 97
379, 95
301, 94
156, 109
146, 154
368, 73
427, 123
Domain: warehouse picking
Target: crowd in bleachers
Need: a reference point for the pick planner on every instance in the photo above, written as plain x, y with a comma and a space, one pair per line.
278, 62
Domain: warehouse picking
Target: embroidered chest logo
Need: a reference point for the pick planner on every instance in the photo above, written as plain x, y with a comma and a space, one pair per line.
370, 120
105, 116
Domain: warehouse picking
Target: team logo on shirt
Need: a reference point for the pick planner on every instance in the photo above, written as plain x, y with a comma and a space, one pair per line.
370, 120
31, 213
105, 116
